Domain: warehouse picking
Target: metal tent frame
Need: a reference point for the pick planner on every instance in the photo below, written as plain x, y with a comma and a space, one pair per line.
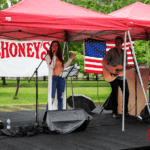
124, 73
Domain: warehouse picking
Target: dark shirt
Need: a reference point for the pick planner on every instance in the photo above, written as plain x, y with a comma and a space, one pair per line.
114, 58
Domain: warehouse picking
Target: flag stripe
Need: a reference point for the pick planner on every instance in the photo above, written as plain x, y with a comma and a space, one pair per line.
93, 66
130, 55
91, 63
92, 60
93, 71
96, 69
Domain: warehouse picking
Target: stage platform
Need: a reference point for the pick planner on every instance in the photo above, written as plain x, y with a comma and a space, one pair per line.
103, 133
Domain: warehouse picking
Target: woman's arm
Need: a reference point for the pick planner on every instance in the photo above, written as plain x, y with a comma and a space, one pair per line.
69, 60
67, 63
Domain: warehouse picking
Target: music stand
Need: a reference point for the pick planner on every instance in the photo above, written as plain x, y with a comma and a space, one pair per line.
69, 72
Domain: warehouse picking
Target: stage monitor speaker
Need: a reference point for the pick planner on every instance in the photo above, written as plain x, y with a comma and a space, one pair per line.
1, 125
66, 121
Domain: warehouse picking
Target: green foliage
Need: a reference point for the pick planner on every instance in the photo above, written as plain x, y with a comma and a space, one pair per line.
104, 6
3, 4
77, 48
13, 2
141, 51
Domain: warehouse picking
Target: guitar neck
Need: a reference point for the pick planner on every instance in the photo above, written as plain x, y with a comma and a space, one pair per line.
127, 68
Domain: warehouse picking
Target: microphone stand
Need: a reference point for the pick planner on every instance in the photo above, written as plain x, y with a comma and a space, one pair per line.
36, 72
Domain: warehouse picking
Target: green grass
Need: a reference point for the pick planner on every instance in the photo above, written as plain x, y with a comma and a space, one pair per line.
27, 95
100, 96
25, 83
88, 83
27, 92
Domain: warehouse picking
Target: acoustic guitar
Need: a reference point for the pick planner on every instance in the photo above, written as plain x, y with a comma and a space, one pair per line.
111, 77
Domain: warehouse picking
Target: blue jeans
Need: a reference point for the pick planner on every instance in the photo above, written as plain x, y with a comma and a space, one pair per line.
59, 84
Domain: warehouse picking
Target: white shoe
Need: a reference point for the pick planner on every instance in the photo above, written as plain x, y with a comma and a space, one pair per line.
115, 116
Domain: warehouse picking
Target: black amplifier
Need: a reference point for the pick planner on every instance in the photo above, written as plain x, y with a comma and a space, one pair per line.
1, 125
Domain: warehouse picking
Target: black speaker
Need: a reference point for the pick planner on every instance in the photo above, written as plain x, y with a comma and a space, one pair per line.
1, 125
66, 121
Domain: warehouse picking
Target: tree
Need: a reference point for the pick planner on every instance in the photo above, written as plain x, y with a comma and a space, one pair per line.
4, 81
3, 4
17, 89
141, 51
14, 2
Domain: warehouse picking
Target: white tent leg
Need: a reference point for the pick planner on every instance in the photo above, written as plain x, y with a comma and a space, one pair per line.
148, 67
147, 56
65, 82
137, 68
64, 48
70, 77
124, 74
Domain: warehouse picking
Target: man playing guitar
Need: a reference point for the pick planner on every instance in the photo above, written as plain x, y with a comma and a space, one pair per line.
115, 57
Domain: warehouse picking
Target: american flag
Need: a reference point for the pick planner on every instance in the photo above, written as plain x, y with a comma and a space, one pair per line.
95, 50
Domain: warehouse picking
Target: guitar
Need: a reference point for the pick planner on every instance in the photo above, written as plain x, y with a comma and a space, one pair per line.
111, 77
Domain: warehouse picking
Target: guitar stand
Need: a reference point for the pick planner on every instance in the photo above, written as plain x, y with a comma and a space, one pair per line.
102, 110
107, 104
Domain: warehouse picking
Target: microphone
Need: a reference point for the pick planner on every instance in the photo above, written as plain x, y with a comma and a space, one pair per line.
47, 51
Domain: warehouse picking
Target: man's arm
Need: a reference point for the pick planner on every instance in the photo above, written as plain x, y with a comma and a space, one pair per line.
107, 67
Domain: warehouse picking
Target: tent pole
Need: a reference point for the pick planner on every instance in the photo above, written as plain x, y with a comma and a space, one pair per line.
147, 56
70, 77
124, 74
137, 68
64, 49
148, 67
147, 50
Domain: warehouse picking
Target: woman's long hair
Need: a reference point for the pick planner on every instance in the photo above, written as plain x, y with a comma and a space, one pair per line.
58, 54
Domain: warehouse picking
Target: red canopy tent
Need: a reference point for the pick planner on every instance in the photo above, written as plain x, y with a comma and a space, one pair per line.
55, 20
138, 19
